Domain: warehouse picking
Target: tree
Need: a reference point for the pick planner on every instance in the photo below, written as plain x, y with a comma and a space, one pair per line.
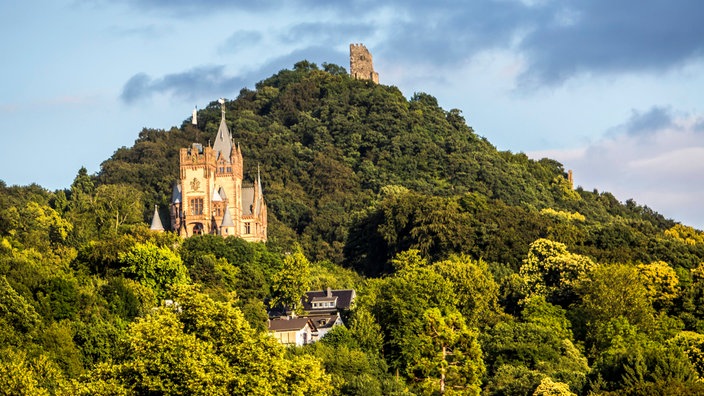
446, 357
548, 387
551, 271
291, 282
117, 205
661, 282
475, 287
154, 266
614, 291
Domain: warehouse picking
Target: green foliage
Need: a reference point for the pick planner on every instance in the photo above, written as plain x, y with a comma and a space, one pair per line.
291, 282
22, 375
202, 347
156, 267
488, 256
551, 271
445, 357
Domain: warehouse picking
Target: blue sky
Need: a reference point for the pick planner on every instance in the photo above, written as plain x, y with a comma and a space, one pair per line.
613, 90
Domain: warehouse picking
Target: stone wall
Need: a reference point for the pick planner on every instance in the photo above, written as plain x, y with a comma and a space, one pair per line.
361, 66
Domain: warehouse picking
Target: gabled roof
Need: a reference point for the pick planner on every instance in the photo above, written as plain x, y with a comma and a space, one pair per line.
156, 221
326, 321
293, 324
227, 218
345, 298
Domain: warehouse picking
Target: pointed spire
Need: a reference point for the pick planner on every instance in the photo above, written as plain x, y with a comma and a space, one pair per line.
258, 198
227, 218
194, 118
223, 140
216, 195
259, 182
156, 221
176, 194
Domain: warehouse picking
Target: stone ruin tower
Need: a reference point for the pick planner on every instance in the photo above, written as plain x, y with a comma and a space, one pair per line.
361, 66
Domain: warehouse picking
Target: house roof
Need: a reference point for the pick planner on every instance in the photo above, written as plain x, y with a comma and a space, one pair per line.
345, 298
293, 324
325, 322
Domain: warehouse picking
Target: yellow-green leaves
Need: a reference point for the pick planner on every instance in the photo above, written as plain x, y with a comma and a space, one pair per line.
154, 266
552, 271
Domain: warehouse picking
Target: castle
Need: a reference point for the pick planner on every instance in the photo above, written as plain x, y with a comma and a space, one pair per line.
361, 66
209, 196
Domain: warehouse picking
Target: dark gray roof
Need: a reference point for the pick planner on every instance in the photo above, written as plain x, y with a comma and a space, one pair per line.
345, 298
324, 322
289, 324
176, 195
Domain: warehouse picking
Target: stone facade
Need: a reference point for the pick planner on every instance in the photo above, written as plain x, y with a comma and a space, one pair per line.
361, 66
209, 196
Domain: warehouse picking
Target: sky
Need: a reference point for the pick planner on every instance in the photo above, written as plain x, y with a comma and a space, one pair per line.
614, 90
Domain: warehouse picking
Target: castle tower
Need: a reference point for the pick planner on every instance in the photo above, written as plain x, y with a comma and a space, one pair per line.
208, 197
361, 66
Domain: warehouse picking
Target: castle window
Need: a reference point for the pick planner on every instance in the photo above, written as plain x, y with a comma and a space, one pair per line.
229, 169
196, 206
222, 169
247, 228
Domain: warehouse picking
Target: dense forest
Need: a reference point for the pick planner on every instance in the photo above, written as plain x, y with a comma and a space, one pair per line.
477, 271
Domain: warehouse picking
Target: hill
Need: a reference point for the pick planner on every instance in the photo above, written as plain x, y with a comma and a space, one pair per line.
341, 157
476, 270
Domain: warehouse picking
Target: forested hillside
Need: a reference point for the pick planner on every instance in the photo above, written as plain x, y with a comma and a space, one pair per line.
476, 270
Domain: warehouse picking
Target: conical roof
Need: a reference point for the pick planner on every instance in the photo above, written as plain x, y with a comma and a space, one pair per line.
227, 218
223, 140
176, 195
156, 221
216, 195
222, 193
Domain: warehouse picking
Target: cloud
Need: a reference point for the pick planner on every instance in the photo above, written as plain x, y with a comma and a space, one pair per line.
325, 33
241, 39
212, 82
558, 39
604, 36
197, 82
656, 119
656, 160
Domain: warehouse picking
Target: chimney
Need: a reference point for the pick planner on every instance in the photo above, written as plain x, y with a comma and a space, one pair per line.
329, 292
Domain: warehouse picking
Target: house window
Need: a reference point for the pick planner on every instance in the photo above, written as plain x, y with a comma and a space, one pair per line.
247, 228
196, 206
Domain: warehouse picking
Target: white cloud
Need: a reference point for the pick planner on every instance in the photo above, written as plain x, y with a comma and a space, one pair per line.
661, 167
